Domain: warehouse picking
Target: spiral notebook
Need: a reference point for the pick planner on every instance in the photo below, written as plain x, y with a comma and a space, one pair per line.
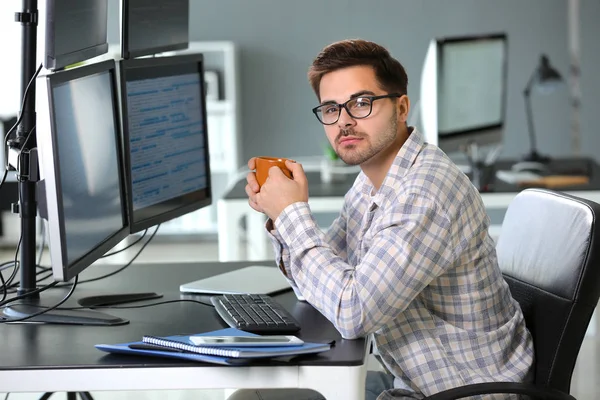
183, 342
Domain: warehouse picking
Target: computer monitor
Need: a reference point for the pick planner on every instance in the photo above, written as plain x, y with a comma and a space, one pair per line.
150, 27
165, 138
463, 91
81, 193
167, 157
81, 167
75, 31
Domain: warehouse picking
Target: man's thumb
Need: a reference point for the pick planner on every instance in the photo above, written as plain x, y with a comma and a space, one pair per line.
297, 170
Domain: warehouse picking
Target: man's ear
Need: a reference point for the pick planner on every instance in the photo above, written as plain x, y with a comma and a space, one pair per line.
403, 108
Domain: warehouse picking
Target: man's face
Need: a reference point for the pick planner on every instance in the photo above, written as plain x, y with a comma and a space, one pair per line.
357, 141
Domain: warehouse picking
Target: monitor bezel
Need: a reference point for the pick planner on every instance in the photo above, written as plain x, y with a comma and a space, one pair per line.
124, 66
48, 147
53, 61
126, 53
484, 134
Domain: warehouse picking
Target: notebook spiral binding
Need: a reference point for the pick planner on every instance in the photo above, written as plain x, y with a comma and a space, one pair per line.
211, 351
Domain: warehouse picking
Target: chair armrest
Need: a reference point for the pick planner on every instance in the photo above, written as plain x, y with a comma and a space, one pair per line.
535, 391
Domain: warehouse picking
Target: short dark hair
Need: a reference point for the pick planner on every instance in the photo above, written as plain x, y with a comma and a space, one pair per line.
353, 52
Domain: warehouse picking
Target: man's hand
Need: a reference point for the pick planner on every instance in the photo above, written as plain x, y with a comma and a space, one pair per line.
252, 187
278, 191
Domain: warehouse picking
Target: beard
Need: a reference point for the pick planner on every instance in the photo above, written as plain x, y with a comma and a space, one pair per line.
359, 154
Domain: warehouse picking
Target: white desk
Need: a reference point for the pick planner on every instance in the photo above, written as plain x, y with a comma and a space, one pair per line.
328, 198
331, 382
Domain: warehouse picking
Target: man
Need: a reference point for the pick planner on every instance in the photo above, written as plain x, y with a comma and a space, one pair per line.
409, 259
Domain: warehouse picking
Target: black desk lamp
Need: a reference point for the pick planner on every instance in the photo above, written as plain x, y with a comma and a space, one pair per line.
544, 78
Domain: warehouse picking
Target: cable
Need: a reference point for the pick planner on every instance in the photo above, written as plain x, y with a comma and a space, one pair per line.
4, 177
4, 288
142, 305
123, 267
44, 269
45, 310
25, 94
16, 263
128, 247
19, 176
7, 265
36, 291
6, 284
9, 284
129, 263
163, 302
19, 119
42, 244
14, 286
28, 136
11, 264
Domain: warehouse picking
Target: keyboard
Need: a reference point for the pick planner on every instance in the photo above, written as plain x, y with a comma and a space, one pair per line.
256, 313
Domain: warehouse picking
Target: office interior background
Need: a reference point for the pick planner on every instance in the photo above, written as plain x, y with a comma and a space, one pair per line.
276, 41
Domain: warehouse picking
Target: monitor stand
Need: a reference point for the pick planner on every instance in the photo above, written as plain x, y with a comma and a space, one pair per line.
68, 317
77, 317
115, 299
253, 279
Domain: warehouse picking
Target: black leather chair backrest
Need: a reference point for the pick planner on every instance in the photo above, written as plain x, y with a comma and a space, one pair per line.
548, 252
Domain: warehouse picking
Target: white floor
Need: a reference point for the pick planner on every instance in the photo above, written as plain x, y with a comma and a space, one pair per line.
585, 384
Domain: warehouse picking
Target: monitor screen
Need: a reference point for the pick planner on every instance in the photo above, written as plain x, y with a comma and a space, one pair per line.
471, 88
81, 165
150, 27
75, 31
165, 136
463, 91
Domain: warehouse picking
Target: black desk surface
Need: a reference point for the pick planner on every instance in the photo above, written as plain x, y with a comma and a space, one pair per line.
566, 166
43, 346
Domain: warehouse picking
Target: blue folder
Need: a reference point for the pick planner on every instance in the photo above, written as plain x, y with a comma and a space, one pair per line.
181, 347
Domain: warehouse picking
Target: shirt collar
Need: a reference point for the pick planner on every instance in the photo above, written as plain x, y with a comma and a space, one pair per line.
404, 160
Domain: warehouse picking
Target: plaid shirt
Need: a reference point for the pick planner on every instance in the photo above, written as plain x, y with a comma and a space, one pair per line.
413, 264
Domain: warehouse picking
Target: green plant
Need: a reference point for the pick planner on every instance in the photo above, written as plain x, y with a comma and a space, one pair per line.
330, 152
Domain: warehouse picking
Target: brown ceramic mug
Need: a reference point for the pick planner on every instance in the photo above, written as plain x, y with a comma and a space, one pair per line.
264, 163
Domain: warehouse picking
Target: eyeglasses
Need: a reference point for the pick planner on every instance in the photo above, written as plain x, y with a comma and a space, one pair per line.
357, 107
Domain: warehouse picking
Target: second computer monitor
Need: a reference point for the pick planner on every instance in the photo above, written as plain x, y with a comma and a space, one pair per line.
75, 31
165, 138
150, 27
463, 90
83, 196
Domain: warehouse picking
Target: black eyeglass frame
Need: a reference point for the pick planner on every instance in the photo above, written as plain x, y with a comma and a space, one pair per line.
345, 106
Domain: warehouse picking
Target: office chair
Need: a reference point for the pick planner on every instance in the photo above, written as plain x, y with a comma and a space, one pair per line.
70, 396
548, 251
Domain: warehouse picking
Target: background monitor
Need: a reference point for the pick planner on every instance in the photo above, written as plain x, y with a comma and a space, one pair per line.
463, 91
75, 31
150, 27
78, 138
165, 138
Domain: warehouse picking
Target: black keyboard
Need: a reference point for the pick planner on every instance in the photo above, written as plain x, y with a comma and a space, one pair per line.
256, 313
